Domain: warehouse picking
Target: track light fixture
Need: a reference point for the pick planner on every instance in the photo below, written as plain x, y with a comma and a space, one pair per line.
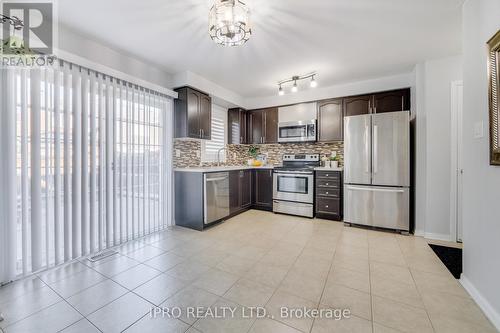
296, 78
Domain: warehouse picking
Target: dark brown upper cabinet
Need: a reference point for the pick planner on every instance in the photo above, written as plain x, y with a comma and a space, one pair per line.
357, 105
237, 126
391, 101
330, 120
193, 114
263, 126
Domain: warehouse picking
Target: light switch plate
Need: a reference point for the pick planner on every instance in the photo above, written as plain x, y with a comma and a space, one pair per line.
198, 154
478, 130
177, 153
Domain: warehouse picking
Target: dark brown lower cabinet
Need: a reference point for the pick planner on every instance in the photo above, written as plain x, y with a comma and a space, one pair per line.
245, 181
240, 191
329, 195
263, 185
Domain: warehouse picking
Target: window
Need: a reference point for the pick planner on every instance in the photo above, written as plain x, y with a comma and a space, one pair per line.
86, 160
210, 148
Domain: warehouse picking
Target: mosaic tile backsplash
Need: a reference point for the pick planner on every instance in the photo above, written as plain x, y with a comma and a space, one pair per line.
190, 150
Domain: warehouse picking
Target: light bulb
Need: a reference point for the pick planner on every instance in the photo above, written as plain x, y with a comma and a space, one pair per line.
281, 92
294, 88
314, 84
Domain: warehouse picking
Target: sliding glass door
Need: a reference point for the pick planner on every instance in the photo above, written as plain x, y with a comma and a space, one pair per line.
86, 165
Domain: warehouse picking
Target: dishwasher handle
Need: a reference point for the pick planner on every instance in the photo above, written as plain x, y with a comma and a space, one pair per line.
216, 179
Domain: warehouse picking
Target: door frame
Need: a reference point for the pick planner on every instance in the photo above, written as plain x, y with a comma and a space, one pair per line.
456, 170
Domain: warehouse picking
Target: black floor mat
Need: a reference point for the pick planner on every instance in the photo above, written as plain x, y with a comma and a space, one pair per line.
451, 258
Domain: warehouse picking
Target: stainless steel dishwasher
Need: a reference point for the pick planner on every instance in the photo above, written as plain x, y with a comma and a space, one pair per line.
216, 193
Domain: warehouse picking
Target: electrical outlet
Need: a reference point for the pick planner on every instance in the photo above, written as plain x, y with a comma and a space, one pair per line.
478, 130
177, 153
198, 154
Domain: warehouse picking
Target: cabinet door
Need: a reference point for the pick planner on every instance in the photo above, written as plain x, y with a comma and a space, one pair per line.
271, 125
243, 127
331, 120
392, 101
237, 126
205, 116
264, 188
245, 178
357, 105
193, 118
234, 192
255, 128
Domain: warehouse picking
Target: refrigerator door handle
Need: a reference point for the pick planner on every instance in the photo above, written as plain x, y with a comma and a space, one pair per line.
375, 148
367, 144
354, 188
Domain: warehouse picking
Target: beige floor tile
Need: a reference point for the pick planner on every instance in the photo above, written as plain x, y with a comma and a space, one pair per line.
136, 276
164, 262
311, 267
400, 316
216, 281
236, 265
345, 325
427, 282
266, 274
188, 270
377, 328
249, 293
349, 252
393, 257
157, 324
306, 286
271, 326
358, 265
160, 288
341, 297
351, 279
251, 252
397, 291
281, 300
465, 309
228, 324
392, 272
190, 296
314, 253
447, 324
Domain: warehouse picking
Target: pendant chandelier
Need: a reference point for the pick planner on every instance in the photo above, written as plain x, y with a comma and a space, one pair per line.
229, 23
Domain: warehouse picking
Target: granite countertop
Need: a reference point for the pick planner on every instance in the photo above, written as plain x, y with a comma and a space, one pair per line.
223, 168
328, 169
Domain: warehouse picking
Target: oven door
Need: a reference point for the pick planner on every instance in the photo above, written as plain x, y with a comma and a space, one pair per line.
296, 132
293, 186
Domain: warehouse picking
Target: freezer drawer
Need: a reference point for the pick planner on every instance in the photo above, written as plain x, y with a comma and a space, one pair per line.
385, 207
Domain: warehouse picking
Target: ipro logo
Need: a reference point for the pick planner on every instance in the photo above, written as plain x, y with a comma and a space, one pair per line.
27, 28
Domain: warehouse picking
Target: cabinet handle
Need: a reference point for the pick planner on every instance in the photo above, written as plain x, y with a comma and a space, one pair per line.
402, 103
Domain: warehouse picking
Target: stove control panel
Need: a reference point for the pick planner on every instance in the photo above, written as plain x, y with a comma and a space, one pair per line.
301, 157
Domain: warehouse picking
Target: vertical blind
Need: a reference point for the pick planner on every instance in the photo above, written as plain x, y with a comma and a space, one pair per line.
211, 147
86, 165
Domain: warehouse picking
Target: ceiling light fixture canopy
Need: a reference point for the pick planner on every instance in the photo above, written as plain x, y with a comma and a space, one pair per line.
296, 78
229, 23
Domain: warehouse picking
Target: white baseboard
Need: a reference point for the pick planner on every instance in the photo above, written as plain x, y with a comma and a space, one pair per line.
441, 237
488, 310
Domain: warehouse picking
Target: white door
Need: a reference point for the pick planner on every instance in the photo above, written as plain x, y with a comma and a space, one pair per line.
456, 160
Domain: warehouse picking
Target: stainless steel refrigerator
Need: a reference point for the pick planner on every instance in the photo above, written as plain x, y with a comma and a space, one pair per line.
377, 170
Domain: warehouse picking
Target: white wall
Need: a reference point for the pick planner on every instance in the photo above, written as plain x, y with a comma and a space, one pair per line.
403, 80
433, 151
99, 53
481, 182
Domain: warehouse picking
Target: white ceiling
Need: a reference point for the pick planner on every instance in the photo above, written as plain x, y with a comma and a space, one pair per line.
343, 40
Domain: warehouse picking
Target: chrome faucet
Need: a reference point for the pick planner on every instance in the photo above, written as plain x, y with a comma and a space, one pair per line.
218, 154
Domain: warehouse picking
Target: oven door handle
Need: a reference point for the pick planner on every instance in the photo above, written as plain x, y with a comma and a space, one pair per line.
294, 172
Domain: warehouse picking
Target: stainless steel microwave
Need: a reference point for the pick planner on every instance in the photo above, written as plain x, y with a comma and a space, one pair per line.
297, 131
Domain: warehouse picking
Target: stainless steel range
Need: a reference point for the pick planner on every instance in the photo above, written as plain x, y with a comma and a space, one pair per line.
293, 185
